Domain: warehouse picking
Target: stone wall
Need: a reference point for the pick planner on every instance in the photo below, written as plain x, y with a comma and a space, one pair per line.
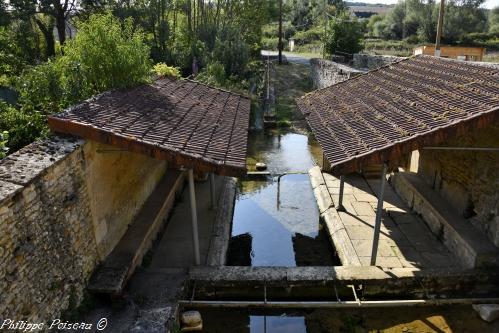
370, 61
326, 73
63, 207
468, 180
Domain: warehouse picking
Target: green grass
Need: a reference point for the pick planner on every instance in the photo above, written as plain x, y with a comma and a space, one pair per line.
292, 81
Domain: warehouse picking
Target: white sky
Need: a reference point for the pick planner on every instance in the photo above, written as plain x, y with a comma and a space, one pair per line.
488, 3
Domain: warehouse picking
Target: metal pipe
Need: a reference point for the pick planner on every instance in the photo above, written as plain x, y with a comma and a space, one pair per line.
379, 213
212, 191
194, 218
335, 304
463, 148
340, 199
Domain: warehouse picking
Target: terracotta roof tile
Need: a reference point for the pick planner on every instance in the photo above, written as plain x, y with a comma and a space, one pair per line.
378, 116
183, 121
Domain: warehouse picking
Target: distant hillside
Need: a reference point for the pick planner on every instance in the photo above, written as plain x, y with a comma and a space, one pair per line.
365, 10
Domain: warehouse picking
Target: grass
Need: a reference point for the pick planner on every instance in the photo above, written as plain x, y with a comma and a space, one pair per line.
292, 81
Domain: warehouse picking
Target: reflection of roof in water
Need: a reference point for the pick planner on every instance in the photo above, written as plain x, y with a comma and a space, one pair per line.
314, 251
296, 210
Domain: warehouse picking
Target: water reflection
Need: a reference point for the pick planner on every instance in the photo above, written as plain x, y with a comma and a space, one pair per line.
277, 219
455, 318
283, 151
277, 324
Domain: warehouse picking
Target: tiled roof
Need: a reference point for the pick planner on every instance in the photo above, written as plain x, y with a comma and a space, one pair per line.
185, 122
420, 101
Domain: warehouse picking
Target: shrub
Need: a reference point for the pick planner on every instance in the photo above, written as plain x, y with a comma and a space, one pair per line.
270, 43
231, 51
23, 125
108, 54
308, 36
344, 35
213, 74
163, 69
39, 87
4, 137
105, 54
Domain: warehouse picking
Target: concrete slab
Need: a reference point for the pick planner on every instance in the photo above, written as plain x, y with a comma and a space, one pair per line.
120, 264
472, 247
405, 240
175, 249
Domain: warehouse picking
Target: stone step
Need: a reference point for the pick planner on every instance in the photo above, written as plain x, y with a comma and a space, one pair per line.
471, 247
111, 276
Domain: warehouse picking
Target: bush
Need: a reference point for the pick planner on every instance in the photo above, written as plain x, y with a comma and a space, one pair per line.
344, 35
308, 36
231, 51
39, 87
23, 125
270, 43
108, 54
162, 69
4, 138
105, 54
213, 74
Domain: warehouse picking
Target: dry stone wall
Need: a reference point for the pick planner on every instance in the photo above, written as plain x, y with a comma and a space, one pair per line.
468, 180
370, 61
325, 73
51, 236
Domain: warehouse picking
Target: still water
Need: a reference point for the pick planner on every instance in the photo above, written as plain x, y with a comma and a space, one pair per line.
457, 318
276, 219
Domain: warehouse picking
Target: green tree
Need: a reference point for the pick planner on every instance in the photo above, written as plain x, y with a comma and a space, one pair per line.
106, 53
344, 35
494, 21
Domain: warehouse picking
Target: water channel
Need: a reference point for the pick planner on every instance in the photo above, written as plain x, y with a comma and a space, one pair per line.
276, 219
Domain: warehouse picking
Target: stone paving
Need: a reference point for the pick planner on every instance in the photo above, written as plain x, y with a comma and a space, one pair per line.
405, 240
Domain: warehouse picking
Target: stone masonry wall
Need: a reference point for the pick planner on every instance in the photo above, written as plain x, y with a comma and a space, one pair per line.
370, 61
326, 73
468, 180
49, 230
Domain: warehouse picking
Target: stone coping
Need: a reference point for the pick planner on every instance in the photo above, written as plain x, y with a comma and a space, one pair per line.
350, 274
24, 166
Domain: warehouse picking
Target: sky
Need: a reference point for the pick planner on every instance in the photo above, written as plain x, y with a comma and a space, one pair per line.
488, 3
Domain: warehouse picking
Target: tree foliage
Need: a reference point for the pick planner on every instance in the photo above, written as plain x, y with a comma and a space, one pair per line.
106, 54
344, 35
419, 18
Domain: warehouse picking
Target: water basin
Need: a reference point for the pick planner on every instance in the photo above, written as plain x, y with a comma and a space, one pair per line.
276, 219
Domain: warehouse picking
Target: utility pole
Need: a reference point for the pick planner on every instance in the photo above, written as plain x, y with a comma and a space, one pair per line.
439, 27
325, 31
280, 32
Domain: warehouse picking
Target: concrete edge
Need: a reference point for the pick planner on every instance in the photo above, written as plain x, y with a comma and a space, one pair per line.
217, 252
466, 241
335, 227
319, 274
